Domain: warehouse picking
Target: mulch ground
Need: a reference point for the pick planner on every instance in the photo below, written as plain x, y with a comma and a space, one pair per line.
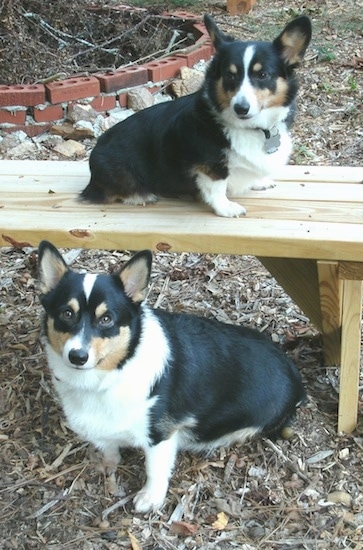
305, 493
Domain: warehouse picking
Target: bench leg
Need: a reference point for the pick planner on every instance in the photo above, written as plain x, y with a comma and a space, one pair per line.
350, 355
334, 305
330, 288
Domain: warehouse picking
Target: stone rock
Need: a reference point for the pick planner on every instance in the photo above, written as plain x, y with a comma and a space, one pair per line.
139, 99
189, 82
12, 140
70, 148
85, 126
68, 131
117, 115
23, 150
77, 112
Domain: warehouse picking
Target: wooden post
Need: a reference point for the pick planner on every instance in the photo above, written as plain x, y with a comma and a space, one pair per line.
330, 288
350, 359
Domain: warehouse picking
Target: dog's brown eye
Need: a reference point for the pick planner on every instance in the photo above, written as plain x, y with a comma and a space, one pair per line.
106, 320
262, 75
230, 78
67, 314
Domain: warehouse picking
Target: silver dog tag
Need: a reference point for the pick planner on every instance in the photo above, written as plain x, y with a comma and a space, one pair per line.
273, 140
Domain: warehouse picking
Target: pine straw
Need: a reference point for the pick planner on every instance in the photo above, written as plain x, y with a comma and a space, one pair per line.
261, 495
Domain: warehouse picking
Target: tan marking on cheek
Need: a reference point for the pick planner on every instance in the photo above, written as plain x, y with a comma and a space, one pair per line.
111, 351
56, 339
223, 97
256, 67
266, 98
101, 310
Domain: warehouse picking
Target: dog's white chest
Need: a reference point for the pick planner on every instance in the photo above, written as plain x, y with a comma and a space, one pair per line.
249, 161
107, 415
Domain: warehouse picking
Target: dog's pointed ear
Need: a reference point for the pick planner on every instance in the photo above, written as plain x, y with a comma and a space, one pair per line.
135, 275
215, 34
294, 40
51, 266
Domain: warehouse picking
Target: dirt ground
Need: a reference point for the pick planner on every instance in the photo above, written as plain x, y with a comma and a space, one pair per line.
305, 493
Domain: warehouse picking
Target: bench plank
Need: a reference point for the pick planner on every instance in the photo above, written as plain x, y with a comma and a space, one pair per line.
45, 204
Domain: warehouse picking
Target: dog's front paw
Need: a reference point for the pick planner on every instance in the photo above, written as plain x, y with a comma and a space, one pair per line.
230, 209
148, 499
263, 184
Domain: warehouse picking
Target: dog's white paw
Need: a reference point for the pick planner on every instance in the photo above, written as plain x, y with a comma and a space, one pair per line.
148, 500
140, 200
230, 209
263, 184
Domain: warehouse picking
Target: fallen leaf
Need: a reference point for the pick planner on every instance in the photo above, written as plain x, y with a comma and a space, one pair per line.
221, 522
183, 528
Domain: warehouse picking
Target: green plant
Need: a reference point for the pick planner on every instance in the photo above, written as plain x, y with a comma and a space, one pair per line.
352, 83
325, 54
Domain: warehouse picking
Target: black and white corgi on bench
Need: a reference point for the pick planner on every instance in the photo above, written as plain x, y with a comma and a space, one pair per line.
131, 376
230, 136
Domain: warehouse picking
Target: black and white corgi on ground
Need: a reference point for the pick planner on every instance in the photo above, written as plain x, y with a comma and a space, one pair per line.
230, 136
131, 376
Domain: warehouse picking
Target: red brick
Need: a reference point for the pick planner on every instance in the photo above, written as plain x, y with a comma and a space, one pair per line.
72, 88
203, 41
122, 99
12, 117
181, 14
104, 103
47, 113
154, 89
22, 94
126, 77
203, 52
165, 68
30, 129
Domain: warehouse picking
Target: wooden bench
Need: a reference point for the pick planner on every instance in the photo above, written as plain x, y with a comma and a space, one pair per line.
307, 231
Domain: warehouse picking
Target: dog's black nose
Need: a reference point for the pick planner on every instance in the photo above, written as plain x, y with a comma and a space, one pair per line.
78, 357
242, 108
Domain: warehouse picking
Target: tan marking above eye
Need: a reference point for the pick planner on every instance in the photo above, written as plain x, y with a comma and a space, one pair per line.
74, 305
233, 69
257, 67
101, 309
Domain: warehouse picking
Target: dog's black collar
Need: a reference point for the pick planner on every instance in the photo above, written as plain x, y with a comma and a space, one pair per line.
273, 140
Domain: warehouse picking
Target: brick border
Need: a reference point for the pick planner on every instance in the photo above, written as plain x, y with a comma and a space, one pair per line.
33, 107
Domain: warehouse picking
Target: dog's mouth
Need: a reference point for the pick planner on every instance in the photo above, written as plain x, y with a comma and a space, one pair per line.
244, 117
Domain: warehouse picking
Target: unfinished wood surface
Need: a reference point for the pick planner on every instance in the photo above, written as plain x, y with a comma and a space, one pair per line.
350, 357
330, 289
351, 270
299, 218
